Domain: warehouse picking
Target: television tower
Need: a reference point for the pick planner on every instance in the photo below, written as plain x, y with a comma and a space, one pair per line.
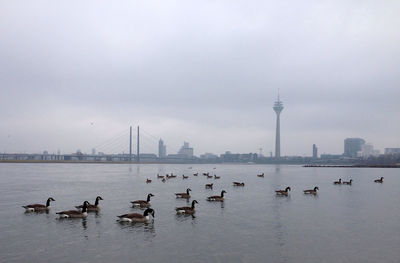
278, 107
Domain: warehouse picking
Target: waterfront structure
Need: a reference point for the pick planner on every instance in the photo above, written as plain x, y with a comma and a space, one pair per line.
352, 146
367, 150
278, 107
186, 150
392, 150
314, 151
162, 149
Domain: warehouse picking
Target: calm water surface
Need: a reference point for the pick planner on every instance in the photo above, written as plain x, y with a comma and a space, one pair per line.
358, 223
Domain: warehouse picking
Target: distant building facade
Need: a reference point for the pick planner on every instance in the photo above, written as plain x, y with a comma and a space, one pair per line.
352, 146
392, 150
162, 149
186, 150
368, 150
314, 151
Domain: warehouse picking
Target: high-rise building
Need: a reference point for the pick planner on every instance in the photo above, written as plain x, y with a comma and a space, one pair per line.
352, 146
278, 107
186, 150
314, 151
162, 149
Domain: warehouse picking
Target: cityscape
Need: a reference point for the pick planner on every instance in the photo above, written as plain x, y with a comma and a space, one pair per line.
356, 151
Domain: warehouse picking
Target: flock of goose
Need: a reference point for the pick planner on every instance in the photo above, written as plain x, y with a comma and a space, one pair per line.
82, 210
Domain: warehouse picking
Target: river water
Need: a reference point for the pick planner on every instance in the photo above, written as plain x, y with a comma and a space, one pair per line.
358, 223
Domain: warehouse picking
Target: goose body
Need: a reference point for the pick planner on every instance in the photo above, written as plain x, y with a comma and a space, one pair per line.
206, 174
338, 182
216, 177
238, 184
142, 203
217, 198
160, 176
91, 207
75, 213
379, 180
311, 191
39, 207
260, 175
283, 192
137, 218
187, 209
348, 183
148, 181
196, 174
185, 177
163, 180
184, 195
210, 186
209, 176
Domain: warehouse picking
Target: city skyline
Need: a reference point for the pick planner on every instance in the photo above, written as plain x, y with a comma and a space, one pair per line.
72, 80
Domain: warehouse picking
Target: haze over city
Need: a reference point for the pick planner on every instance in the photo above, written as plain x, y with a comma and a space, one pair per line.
74, 74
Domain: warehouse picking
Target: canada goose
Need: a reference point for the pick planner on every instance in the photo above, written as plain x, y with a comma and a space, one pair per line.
217, 197
216, 177
186, 209
209, 176
348, 183
196, 174
185, 177
163, 180
171, 176
148, 181
137, 218
184, 195
338, 182
283, 192
238, 184
75, 213
209, 186
260, 175
38, 207
160, 176
379, 180
206, 174
142, 203
90, 207
312, 192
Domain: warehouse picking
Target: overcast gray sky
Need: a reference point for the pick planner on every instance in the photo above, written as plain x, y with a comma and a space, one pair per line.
74, 74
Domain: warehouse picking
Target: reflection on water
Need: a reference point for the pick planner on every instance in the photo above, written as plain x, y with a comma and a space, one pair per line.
253, 224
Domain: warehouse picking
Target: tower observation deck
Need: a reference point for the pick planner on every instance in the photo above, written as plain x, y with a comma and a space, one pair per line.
278, 107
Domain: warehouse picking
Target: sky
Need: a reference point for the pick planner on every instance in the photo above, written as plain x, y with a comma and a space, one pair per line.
76, 74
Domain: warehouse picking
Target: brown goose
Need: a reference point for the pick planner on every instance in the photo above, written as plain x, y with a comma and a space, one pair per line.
185, 177
338, 182
209, 176
184, 195
137, 218
217, 197
217, 177
379, 180
148, 181
196, 174
160, 176
186, 209
75, 213
163, 180
260, 175
210, 186
283, 192
92, 208
311, 191
348, 183
238, 184
206, 174
39, 207
142, 203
